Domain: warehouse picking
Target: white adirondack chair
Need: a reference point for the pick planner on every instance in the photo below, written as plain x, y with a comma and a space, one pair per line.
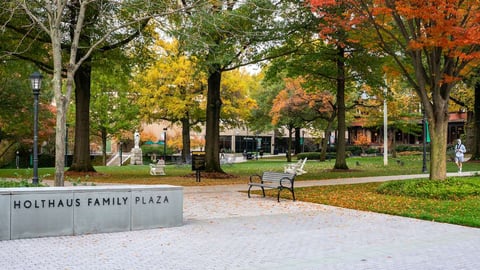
296, 168
158, 168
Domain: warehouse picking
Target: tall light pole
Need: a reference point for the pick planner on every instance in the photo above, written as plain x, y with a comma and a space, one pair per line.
36, 84
165, 144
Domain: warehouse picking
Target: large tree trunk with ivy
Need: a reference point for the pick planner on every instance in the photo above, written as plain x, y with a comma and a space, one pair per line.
341, 162
81, 152
212, 135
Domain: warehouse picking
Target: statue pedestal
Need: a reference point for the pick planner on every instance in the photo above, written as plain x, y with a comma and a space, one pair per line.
136, 158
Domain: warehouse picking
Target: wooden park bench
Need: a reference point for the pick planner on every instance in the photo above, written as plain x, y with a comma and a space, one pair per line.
273, 180
158, 168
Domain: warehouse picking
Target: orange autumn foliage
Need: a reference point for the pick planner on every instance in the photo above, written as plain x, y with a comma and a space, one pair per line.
450, 27
294, 101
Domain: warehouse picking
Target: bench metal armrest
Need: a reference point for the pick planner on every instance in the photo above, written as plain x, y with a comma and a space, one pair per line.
255, 176
286, 179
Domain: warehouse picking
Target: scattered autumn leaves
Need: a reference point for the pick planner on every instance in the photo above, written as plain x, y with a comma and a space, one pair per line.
462, 209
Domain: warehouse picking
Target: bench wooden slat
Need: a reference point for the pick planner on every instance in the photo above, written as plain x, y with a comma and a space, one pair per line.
273, 180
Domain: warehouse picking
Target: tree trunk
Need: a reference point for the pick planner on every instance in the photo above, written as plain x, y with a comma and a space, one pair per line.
289, 143
62, 108
185, 139
438, 146
323, 152
212, 135
60, 144
393, 148
103, 134
328, 133
81, 154
476, 124
340, 162
298, 146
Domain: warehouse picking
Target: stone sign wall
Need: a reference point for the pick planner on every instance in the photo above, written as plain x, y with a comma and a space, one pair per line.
56, 211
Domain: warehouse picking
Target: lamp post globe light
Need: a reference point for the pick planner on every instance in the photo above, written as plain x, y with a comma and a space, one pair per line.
36, 84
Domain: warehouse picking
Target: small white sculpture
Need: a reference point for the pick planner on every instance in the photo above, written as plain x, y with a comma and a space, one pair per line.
136, 139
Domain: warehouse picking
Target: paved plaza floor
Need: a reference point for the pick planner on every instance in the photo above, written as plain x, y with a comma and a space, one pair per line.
223, 229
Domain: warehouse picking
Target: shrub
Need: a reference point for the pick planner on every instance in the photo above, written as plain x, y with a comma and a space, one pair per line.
316, 155
21, 183
450, 189
355, 150
309, 155
411, 148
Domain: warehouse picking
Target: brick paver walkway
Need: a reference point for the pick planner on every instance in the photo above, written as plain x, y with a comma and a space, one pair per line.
223, 229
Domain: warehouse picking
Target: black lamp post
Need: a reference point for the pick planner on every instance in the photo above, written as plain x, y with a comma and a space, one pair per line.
165, 144
36, 83
424, 163
120, 153
17, 159
66, 145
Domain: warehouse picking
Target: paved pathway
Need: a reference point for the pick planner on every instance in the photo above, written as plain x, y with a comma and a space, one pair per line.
223, 229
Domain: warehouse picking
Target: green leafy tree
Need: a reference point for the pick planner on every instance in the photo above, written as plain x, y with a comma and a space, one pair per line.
236, 88
174, 90
225, 35
60, 37
295, 108
114, 108
331, 61
402, 107
16, 111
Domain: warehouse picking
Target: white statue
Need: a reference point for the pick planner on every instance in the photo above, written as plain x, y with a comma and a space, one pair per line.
136, 139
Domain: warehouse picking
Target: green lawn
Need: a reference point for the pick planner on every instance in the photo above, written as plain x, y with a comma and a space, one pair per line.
183, 175
443, 202
454, 201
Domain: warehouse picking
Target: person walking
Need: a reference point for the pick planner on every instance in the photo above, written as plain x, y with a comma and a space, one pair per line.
459, 154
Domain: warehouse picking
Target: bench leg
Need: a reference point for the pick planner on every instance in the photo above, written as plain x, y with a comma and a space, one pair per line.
263, 191
291, 190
